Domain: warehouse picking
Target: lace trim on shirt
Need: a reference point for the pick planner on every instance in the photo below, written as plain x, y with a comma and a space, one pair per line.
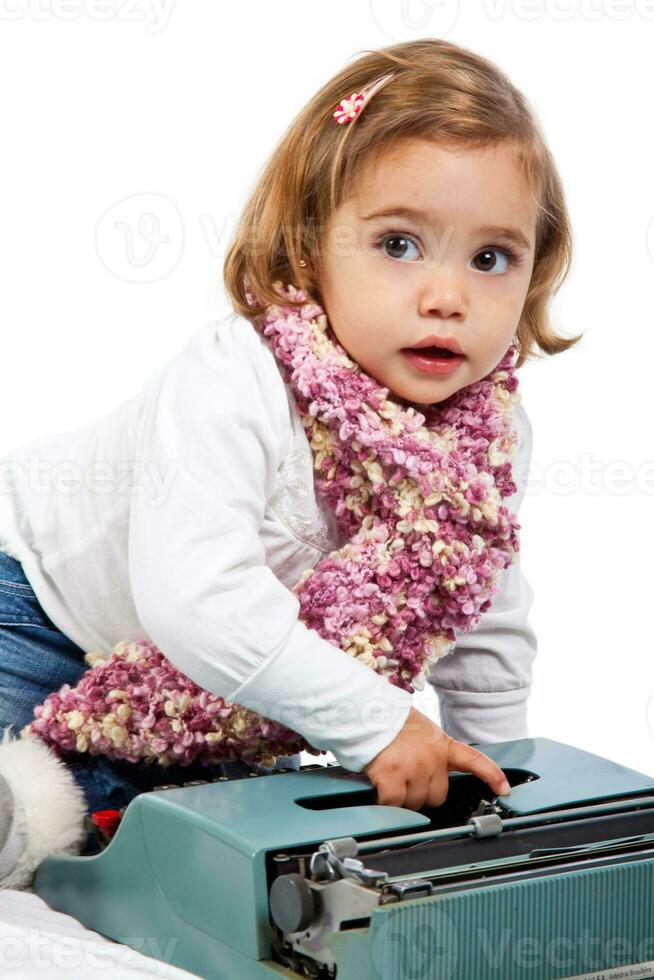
293, 501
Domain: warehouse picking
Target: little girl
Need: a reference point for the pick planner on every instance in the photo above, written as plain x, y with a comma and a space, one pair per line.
411, 206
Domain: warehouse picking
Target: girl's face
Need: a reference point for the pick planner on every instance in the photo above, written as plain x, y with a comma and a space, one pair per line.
450, 255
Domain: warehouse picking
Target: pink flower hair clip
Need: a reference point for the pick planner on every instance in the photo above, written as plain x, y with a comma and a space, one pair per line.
349, 108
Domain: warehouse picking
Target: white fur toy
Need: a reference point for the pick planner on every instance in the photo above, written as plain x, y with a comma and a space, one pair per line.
42, 809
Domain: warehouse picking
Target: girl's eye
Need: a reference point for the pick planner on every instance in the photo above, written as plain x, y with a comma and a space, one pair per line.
398, 244
489, 262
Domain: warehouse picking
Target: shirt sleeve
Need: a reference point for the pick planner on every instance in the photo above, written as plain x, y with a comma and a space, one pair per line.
483, 685
198, 574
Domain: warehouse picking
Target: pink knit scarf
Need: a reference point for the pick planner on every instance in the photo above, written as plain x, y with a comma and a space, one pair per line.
418, 496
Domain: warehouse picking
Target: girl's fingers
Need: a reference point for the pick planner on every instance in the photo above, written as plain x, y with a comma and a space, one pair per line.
391, 791
464, 758
438, 789
417, 794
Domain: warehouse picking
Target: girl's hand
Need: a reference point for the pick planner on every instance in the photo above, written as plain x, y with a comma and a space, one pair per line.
413, 770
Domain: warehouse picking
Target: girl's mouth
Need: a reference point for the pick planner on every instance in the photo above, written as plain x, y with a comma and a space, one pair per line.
432, 360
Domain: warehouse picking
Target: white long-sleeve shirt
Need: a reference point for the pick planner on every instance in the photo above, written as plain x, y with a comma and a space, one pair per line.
186, 515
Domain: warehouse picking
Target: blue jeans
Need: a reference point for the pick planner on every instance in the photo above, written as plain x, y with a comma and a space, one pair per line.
36, 658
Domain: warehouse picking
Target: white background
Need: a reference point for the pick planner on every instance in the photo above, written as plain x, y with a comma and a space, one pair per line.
105, 104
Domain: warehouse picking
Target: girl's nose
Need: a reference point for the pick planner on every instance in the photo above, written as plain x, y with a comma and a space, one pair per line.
443, 293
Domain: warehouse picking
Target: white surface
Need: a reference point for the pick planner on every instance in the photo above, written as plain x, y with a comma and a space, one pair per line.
36, 941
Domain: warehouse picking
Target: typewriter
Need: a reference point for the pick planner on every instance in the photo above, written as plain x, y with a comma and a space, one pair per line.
301, 874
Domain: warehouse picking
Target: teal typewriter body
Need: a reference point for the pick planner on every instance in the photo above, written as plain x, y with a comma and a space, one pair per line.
301, 874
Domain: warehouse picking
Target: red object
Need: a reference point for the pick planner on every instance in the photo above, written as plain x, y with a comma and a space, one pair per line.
106, 820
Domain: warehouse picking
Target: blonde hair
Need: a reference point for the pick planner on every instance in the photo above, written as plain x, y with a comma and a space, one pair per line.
439, 92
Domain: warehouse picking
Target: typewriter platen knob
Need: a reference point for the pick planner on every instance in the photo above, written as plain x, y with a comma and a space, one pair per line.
292, 903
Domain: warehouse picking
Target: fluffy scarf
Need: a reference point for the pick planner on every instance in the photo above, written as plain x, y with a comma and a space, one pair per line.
418, 495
